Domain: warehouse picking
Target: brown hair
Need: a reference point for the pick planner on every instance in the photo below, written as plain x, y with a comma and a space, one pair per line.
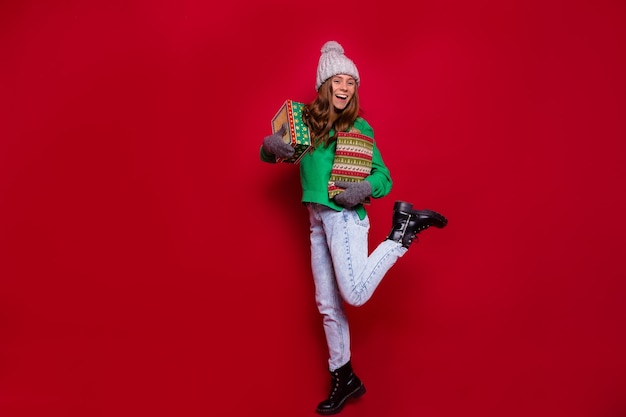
321, 116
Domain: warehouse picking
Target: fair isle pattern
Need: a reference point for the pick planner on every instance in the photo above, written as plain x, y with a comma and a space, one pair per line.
353, 160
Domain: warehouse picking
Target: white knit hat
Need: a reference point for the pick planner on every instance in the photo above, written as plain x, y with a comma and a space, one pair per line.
334, 62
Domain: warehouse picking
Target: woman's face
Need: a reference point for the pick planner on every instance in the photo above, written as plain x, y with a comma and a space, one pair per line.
344, 87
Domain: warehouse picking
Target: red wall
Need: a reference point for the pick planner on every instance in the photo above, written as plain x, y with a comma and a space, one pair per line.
150, 264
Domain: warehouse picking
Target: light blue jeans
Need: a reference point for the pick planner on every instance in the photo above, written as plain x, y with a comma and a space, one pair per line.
343, 270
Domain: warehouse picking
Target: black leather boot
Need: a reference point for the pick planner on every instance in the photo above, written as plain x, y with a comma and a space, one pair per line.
407, 222
344, 384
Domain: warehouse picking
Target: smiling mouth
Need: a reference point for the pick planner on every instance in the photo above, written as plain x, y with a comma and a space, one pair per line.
341, 97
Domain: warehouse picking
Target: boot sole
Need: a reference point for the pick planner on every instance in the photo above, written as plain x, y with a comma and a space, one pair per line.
355, 394
440, 220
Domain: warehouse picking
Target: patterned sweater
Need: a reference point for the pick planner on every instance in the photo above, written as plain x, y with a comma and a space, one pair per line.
316, 165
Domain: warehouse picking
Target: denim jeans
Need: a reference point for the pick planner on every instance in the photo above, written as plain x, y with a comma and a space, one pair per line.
343, 270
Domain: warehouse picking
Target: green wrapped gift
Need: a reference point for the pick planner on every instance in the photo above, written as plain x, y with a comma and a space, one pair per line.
297, 134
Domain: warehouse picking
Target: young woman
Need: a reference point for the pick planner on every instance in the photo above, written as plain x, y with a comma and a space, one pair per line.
343, 269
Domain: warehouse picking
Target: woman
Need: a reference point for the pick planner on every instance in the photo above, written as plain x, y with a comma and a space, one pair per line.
343, 270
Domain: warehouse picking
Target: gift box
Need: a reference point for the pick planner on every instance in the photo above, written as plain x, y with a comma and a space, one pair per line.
297, 134
353, 160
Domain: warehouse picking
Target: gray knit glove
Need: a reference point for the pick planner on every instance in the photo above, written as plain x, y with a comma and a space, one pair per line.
274, 145
354, 193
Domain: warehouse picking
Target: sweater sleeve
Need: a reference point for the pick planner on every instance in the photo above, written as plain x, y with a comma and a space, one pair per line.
380, 177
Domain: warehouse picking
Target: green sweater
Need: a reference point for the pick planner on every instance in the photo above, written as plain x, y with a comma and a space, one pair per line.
315, 167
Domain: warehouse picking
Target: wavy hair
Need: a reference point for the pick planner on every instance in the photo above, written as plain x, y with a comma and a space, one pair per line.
321, 116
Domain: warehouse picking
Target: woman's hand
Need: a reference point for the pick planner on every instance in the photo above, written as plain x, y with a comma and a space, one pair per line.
353, 194
274, 144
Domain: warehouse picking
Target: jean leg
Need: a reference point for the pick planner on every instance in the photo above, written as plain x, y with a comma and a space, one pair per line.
357, 273
327, 295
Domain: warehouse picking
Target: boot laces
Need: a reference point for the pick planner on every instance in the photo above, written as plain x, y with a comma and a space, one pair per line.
413, 233
334, 386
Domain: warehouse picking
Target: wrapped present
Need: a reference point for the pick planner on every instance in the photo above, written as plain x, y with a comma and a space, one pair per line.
353, 160
297, 132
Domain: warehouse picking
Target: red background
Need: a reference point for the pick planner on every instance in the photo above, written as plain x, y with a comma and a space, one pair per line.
152, 265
